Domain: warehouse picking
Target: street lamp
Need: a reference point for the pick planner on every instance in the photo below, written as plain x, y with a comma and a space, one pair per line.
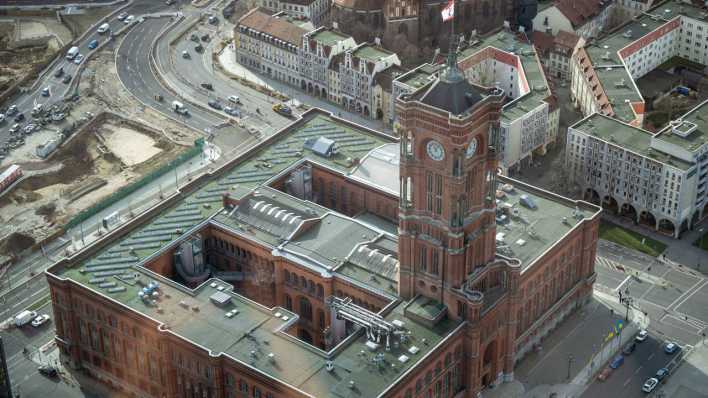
571, 358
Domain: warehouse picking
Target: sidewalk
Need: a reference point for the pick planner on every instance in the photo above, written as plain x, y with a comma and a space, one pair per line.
680, 251
689, 380
228, 62
544, 373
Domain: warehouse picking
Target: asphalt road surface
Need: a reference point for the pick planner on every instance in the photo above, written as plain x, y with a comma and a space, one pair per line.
627, 380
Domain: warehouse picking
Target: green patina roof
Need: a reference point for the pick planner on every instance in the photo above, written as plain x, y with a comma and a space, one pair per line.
371, 52
329, 37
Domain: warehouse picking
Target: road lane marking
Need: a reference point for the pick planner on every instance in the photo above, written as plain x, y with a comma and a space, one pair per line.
627, 382
651, 356
638, 369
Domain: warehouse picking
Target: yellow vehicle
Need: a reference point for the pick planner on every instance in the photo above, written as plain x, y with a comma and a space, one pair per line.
283, 109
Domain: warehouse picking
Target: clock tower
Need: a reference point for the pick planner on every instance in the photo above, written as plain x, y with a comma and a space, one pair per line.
448, 182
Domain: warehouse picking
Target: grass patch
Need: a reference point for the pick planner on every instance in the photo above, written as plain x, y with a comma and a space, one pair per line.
39, 303
702, 242
628, 238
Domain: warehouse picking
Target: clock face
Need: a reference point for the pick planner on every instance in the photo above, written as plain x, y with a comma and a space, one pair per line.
471, 148
435, 150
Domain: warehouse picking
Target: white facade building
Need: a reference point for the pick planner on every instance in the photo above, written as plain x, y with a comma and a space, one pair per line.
659, 180
586, 18
603, 74
356, 77
316, 11
269, 44
318, 49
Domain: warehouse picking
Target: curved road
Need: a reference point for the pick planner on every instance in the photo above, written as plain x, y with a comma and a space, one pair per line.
133, 65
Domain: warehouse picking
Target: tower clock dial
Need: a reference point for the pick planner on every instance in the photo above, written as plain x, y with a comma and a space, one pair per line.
435, 150
471, 148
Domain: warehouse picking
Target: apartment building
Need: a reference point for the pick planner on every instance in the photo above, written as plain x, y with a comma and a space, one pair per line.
556, 51
585, 18
603, 73
357, 73
318, 48
316, 11
529, 120
270, 45
658, 180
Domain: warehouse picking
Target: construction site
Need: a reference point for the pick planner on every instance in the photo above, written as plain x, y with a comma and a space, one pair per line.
73, 161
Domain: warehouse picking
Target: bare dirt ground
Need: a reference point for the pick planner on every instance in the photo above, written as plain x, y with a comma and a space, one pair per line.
16, 63
94, 164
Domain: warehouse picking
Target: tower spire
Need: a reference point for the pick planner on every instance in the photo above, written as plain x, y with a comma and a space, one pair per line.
452, 73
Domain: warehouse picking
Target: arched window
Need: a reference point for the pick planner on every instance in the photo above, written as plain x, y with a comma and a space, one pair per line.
321, 318
288, 303
303, 282
286, 275
320, 291
305, 308
311, 287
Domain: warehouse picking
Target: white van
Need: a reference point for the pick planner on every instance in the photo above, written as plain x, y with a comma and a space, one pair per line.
73, 51
103, 28
24, 318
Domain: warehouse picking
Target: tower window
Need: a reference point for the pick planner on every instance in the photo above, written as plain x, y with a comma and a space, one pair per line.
423, 259
435, 262
438, 194
429, 191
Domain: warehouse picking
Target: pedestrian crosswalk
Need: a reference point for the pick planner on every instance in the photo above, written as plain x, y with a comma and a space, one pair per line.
607, 263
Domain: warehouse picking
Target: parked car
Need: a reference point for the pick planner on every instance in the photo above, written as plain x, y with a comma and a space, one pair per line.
46, 92
661, 374
66, 79
47, 370
103, 28
11, 110
641, 336
207, 86
194, 37
205, 37
129, 19
629, 348
213, 20
617, 362
186, 55
169, 2
78, 59
93, 44
19, 117
283, 110
231, 111
671, 348
29, 128
650, 384
234, 98
215, 104
40, 320
122, 16
605, 374
198, 48
15, 128
59, 72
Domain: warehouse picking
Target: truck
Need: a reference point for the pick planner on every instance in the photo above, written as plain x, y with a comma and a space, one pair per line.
178, 107
72, 53
24, 318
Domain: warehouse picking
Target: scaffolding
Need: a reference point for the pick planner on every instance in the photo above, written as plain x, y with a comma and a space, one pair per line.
377, 328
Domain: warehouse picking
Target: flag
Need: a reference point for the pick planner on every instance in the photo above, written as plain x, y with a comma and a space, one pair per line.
449, 11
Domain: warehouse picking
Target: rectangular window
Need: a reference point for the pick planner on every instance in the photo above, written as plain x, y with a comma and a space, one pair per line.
429, 191
438, 194
423, 259
434, 264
